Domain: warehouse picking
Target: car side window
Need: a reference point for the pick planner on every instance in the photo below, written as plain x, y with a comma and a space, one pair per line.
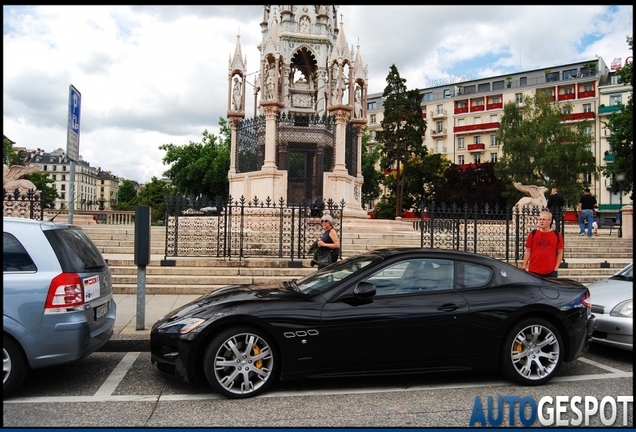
414, 276
475, 275
14, 257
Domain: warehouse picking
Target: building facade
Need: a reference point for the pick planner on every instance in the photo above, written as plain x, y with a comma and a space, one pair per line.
463, 115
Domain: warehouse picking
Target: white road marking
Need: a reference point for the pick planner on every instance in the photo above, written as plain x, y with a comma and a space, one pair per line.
117, 375
104, 396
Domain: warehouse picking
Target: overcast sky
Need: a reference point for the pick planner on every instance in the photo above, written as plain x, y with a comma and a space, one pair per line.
152, 75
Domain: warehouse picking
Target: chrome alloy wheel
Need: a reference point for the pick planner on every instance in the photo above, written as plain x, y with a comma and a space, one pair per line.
535, 352
240, 363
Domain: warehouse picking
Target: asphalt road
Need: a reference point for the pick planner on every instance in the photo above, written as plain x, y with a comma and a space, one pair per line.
123, 389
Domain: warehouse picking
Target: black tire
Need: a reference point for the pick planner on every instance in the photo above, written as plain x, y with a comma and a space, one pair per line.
532, 352
241, 362
15, 367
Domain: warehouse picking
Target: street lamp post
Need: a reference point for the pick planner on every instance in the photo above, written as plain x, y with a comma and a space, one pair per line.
620, 178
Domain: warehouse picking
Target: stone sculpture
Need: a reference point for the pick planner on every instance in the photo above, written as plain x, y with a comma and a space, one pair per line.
536, 195
14, 177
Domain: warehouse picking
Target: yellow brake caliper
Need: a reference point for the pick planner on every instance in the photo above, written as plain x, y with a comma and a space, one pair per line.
256, 351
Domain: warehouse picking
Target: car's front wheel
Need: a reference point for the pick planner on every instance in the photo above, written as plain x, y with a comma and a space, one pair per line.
241, 362
532, 352
14, 366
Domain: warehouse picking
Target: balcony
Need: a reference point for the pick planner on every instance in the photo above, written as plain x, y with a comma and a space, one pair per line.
461, 110
477, 108
476, 127
439, 132
494, 106
606, 110
580, 116
587, 94
566, 96
439, 114
480, 147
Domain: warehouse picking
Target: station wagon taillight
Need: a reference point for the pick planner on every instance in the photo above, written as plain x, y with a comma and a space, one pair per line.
65, 291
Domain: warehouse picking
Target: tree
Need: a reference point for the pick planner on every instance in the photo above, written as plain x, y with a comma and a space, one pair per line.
126, 196
372, 177
153, 194
200, 169
539, 148
42, 182
9, 155
474, 184
423, 177
403, 128
621, 139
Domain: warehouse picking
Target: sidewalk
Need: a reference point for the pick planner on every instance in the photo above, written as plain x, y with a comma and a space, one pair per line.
127, 336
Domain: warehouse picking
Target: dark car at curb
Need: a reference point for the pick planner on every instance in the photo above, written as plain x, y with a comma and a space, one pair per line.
390, 311
57, 297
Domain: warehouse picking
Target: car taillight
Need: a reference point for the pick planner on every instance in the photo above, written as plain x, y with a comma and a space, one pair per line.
65, 291
585, 299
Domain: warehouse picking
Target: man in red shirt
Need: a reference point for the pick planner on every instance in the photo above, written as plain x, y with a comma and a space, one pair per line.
544, 248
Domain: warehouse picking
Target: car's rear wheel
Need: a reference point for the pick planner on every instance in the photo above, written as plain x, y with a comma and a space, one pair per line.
240, 362
14, 366
532, 352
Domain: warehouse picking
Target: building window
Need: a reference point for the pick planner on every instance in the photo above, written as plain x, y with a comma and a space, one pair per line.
477, 158
373, 118
447, 93
587, 131
427, 96
62, 195
460, 160
523, 81
498, 85
616, 100
461, 122
373, 134
54, 177
568, 90
45, 168
440, 109
493, 141
477, 120
64, 168
494, 118
484, 87
567, 110
478, 102
587, 108
569, 74
477, 140
54, 167
63, 177
519, 98
372, 106
495, 99
461, 143
588, 87
461, 104
63, 187
440, 146
469, 89
615, 80
493, 157
439, 126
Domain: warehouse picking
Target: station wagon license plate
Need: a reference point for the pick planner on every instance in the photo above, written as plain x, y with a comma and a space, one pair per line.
101, 310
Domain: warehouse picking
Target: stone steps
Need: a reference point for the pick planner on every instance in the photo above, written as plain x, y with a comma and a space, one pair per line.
588, 260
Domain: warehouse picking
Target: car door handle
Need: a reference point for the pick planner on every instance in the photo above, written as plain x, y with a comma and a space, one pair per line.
448, 307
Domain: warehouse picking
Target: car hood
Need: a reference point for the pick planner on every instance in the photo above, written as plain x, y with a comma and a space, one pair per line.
233, 295
610, 291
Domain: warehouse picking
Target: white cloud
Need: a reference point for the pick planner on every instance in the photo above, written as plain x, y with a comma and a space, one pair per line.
151, 75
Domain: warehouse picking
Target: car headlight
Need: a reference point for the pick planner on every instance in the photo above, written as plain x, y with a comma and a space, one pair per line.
182, 326
623, 309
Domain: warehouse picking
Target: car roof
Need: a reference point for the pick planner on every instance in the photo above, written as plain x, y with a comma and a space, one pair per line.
44, 225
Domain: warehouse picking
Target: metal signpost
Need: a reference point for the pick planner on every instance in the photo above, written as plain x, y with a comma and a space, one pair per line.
72, 141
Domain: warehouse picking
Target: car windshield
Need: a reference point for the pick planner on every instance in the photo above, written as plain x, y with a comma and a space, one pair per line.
324, 279
625, 274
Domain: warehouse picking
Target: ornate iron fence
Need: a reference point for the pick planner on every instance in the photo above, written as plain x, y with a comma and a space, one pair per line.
245, 228
28, 205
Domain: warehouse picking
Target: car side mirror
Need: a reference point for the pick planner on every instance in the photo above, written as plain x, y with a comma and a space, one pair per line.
364, 289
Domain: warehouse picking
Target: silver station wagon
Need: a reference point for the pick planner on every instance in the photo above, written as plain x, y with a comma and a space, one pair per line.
57, 297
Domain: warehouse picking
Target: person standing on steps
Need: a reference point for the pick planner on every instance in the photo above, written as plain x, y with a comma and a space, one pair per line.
555, 205
329, 242
544, 248
586, 207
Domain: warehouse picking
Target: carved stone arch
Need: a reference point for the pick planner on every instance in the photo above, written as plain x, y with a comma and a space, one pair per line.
304, 62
